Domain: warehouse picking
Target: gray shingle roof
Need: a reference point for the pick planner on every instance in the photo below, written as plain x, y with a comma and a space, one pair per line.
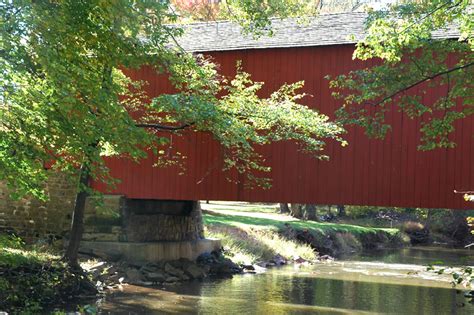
323, 30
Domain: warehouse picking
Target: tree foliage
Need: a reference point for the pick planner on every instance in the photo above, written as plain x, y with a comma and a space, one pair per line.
257, 15
254, 16
66, 98
410, 60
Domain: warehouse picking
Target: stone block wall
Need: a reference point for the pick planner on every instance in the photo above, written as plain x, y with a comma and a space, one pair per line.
31, 218
103, 219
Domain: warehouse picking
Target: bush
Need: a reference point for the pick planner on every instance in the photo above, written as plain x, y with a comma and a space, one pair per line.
11, 241
410, 227
347, 242
362, 211
451, 223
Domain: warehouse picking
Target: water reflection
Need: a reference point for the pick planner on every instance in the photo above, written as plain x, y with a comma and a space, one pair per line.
342, 287
418, 255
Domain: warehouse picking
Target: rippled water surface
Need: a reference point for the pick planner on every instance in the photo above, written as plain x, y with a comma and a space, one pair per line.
393, 282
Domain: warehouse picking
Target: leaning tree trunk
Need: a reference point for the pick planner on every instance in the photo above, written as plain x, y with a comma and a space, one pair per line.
77, 227
296, 210
284, 208
310, 212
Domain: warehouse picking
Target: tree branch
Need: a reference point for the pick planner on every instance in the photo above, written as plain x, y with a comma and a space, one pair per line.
455, 4
421, 81
164, 127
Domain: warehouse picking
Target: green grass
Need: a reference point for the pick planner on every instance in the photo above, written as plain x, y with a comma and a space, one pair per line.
14, 253
34, 278
241, 207
221, 218
251, 232
249, 246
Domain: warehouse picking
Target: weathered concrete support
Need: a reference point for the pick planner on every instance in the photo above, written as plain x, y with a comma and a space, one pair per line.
156, 220
145, 230
136, 220
140, 253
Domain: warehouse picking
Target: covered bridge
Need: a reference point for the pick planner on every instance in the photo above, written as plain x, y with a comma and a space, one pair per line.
389, 172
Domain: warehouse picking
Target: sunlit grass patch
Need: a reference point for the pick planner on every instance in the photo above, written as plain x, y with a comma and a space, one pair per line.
285, 247
278, 222
14, 253
241, 207
237, 247
15, 257
248, 245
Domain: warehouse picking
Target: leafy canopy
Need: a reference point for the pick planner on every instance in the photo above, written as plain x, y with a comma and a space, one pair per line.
413, 61
65, 96
254, 16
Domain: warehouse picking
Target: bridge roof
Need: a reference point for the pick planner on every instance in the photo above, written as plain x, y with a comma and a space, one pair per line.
322, 30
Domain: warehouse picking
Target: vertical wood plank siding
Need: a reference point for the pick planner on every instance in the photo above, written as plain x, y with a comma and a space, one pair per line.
388, 172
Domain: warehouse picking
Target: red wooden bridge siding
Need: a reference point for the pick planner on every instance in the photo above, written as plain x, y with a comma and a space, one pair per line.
389, 172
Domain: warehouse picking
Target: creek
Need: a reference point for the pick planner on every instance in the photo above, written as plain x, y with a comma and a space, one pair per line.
381, 282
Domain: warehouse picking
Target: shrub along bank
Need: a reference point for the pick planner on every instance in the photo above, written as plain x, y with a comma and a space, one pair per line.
424, 226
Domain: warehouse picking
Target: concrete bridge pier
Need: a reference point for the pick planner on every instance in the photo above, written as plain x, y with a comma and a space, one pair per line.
144, 230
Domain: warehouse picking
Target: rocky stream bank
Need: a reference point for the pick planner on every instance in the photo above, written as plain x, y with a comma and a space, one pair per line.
207, 266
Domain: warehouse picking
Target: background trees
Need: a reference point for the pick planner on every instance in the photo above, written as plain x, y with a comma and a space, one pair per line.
212, 10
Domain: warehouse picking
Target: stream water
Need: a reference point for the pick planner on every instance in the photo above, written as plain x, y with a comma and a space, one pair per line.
385, 282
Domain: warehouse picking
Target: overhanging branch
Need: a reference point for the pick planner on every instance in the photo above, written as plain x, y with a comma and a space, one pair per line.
431, 77
164, 127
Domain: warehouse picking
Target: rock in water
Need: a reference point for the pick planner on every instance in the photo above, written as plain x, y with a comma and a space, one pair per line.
279, 260
206, 258
248, 267
169, 269
195, 272
133, 275
172, 279
155, 276
225, 267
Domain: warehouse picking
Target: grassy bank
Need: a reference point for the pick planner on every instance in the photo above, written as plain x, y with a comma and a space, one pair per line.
255, 232
33, 279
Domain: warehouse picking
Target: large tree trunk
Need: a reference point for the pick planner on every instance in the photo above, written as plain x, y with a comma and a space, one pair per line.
78, 219
341, 211
296, 210
310, 212
284, 208
429, 217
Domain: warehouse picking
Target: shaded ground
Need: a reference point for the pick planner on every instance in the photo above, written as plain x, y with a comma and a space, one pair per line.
33, 278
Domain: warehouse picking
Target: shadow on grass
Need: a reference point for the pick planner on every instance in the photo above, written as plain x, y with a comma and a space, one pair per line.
322, 227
